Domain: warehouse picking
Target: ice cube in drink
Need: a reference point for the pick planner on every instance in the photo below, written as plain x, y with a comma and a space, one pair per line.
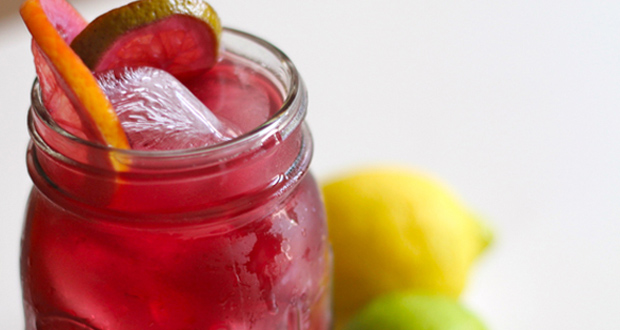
157, 112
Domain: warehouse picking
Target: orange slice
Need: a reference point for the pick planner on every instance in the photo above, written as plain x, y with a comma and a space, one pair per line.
52, 25
178, 36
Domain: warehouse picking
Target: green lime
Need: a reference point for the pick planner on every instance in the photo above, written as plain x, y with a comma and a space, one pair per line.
178, 36
412, 311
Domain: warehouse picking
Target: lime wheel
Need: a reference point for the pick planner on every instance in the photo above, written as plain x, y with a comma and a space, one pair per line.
178, 36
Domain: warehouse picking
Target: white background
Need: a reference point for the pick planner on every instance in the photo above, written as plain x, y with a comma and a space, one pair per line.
515, 104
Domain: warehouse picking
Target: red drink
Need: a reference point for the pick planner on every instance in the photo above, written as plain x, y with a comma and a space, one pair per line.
231, 236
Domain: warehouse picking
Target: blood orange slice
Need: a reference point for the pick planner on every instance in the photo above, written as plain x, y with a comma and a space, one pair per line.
178, 36
69, 88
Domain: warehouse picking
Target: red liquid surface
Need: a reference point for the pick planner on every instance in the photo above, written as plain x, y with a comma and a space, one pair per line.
91, 268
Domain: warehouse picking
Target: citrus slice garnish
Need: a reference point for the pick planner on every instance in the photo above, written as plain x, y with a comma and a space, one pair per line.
178, 36
65, 80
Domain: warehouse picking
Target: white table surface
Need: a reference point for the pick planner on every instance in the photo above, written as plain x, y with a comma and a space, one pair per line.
515, 104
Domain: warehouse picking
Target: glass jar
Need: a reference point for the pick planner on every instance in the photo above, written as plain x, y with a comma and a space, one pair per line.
231, 236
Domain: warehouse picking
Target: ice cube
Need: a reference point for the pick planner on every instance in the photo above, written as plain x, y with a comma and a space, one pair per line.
157, 112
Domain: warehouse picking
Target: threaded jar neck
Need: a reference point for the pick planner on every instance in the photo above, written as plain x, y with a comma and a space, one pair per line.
229, 177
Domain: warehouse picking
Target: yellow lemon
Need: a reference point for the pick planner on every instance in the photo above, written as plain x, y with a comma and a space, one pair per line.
393, 229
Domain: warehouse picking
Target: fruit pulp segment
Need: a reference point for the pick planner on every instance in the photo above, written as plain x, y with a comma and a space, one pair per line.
53, 24
179, 35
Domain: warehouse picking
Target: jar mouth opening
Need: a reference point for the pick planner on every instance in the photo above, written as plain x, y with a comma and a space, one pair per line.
283, 122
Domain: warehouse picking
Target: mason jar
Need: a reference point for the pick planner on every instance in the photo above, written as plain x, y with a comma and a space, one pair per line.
230, 236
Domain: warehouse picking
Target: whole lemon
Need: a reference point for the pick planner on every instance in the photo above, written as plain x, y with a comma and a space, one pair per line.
414, 311
394, 229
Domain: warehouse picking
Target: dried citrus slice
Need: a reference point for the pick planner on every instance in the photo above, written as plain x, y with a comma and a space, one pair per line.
53, 24
178, 36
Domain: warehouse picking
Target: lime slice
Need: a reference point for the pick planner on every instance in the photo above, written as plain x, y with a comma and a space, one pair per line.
179, 36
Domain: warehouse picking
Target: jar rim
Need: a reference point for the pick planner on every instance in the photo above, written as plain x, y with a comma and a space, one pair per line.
283, 122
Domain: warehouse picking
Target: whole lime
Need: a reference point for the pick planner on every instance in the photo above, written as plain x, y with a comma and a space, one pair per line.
412, 311
395, 229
